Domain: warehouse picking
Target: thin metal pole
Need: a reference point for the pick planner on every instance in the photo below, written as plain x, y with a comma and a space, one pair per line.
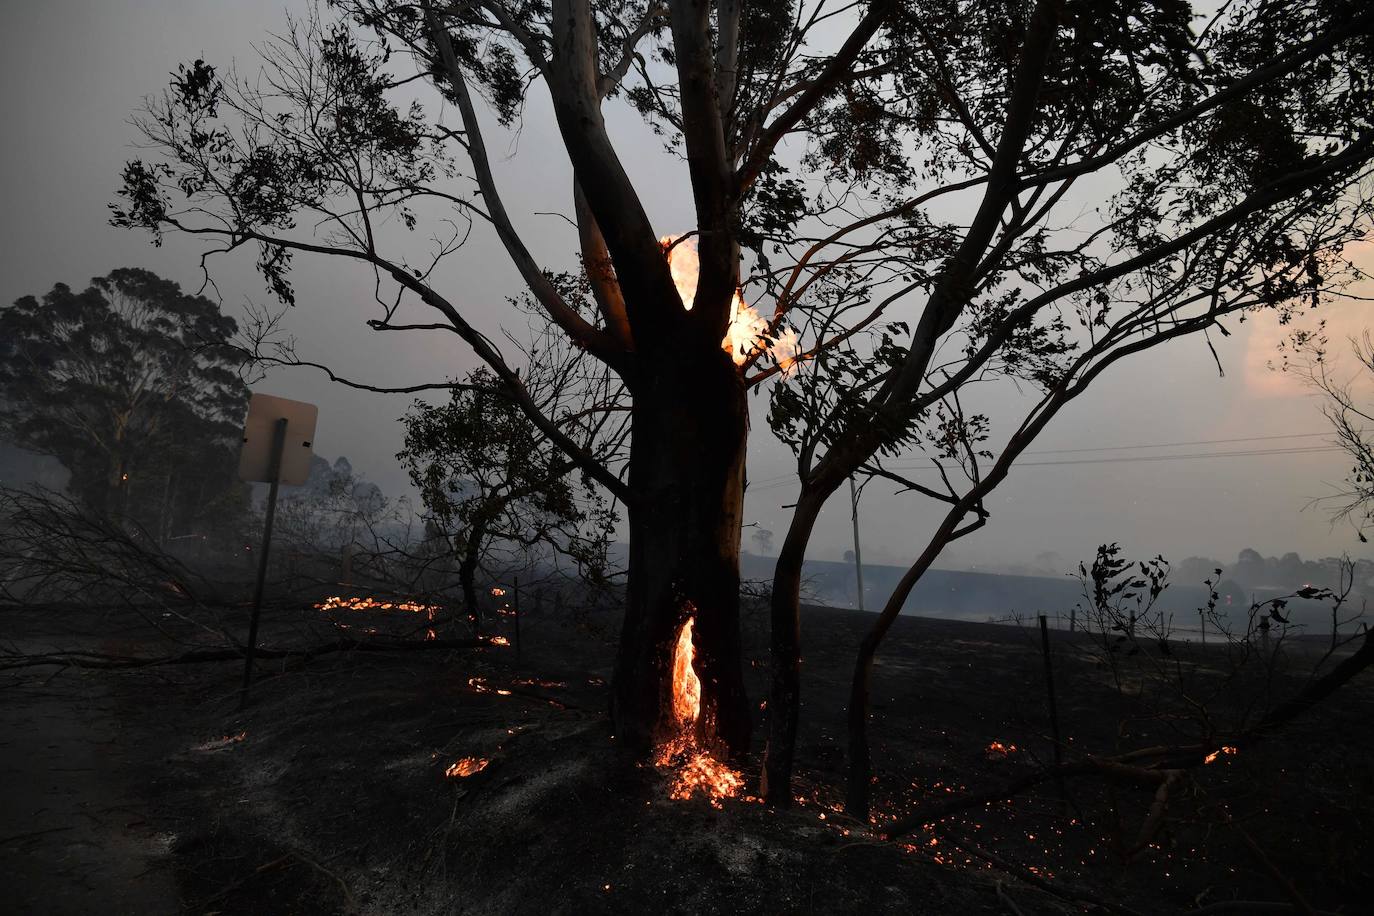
515, 606
274, 477
858, 555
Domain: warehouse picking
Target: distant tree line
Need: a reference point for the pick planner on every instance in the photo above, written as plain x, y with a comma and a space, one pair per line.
134, 387
1253, 571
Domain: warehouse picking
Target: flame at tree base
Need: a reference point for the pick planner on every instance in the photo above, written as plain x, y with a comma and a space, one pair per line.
697, 769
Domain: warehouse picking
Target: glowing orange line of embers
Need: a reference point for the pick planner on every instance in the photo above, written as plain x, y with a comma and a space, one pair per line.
336, 603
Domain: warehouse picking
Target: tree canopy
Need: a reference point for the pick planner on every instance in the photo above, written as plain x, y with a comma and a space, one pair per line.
132, 385
498, 490
893, 202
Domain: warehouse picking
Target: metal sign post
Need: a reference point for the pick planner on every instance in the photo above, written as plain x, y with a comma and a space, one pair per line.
272, 459
274, 476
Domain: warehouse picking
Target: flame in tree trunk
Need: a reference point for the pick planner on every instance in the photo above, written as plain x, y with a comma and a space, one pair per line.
748, 331
686, 684
697, 769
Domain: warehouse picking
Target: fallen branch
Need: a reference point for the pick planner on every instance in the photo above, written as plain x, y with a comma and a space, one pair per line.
98, 660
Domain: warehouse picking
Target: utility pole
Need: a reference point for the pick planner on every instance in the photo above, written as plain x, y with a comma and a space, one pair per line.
858, 556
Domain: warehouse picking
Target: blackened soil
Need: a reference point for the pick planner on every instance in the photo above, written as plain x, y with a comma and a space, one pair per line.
149, 791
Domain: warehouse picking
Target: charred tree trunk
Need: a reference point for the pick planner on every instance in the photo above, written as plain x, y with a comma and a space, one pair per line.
687, 475
467, 574
116, 488
785, 699
859, 774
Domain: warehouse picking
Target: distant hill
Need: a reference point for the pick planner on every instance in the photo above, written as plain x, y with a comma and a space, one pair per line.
960, 595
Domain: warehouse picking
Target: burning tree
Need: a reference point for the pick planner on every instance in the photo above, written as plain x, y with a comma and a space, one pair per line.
924, 196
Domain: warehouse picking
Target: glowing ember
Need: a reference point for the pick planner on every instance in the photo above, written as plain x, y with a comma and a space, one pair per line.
335, 603
696, 769
219, 744
499, 641
1212, 757
703, 773
998, 749
498, 592
536, 682
466, 767
748, 331
481, 686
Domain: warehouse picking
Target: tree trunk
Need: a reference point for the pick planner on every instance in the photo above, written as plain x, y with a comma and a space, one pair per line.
785, 698
859, 775
690, 428
467, 575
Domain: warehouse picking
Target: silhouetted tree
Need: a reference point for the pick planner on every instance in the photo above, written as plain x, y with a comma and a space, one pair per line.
1227, 161
133, 386
490, 479
1351, 419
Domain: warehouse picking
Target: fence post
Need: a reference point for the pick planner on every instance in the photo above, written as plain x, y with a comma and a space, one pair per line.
1054, 709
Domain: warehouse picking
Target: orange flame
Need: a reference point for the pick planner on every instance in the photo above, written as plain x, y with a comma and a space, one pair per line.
748, 330
686, 684
465, 767
1224, 749
696, 769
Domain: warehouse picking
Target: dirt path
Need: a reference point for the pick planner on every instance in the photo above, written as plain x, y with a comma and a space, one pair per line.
78, 836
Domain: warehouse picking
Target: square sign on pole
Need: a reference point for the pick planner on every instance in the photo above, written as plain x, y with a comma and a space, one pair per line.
277, 437
255, 461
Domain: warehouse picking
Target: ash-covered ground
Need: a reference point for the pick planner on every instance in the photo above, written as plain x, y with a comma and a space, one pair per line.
148, 791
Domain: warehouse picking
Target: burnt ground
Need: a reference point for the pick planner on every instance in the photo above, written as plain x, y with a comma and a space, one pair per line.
147, 791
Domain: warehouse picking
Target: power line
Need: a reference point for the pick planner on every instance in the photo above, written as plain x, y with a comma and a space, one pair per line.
1119, 448
1234, 454
782, 480
1102, 448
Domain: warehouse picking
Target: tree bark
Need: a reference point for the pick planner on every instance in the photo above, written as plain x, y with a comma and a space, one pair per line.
690, 426
467, 575
785, 699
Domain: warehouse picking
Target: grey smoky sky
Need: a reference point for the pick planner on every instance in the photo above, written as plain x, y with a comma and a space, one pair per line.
72, 74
